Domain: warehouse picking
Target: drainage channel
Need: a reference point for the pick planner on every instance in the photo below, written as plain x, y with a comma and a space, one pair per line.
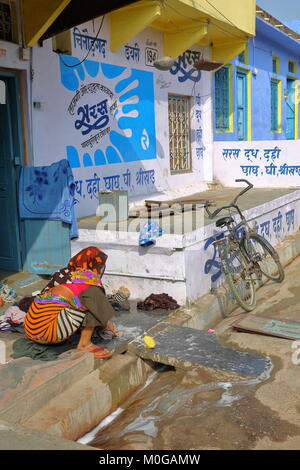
178, 409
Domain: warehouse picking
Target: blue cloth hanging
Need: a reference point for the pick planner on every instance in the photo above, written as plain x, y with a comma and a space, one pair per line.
47, 192
149, 232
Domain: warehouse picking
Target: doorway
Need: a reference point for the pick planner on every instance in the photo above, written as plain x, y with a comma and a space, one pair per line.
11, 157
242, 105
290, 109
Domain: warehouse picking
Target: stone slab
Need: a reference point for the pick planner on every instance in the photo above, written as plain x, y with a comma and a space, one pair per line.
132, 323
185, 348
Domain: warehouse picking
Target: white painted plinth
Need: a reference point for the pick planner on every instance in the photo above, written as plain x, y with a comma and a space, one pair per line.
183, 266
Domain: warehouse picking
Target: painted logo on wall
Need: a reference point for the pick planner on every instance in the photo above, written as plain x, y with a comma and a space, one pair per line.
112, 113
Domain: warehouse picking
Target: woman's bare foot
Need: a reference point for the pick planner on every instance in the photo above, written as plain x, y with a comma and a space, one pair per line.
110, 326
98, 351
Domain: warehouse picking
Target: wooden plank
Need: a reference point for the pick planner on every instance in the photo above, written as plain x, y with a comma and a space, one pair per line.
170, 203
277, 327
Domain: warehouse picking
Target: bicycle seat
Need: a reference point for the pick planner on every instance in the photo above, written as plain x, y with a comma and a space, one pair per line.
224, 221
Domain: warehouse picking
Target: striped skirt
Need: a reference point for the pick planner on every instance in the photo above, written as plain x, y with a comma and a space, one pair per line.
51, 320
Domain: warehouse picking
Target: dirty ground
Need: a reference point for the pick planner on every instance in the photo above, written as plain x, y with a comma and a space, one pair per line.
213, 409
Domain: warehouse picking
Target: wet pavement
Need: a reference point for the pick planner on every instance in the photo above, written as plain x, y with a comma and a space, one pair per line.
214, 409
181, 411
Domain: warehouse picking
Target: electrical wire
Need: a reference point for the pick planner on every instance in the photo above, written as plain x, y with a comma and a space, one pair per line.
222, 14
86, 56
203, 22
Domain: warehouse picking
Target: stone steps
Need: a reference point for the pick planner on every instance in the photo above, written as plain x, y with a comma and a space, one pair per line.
81, 407
70, 413
16, 437
27, 384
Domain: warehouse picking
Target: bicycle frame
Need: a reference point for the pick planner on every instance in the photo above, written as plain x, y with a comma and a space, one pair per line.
234, 237
239, 256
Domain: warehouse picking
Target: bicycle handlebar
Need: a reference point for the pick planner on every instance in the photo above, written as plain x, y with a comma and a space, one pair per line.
212, 215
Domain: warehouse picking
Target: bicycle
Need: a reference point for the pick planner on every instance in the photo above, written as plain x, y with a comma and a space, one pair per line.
245, 256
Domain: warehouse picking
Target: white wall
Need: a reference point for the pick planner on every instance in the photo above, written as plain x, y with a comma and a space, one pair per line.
184, 266
263, 163
145, 136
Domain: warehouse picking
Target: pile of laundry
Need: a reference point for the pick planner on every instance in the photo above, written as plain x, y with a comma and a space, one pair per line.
14, 315
119, 299
163, 301
7, 294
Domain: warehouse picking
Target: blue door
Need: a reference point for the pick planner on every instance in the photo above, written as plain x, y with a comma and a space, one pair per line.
10, 159
242, 106
290, 109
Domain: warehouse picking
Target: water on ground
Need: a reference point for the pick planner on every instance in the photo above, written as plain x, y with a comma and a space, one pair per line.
191, 410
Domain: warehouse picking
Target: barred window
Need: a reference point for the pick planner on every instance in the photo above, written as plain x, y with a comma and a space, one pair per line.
222, 99
275, 65
8, 21
274, 106
179, 134
292, 67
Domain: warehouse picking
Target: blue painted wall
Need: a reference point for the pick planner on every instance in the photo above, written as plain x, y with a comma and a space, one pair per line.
268, 42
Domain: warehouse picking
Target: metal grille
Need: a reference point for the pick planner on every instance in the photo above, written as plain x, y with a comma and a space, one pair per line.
222, 105
5, 22
274, 106
179, 134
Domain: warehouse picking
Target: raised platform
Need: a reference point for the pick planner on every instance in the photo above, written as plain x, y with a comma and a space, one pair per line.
183, 262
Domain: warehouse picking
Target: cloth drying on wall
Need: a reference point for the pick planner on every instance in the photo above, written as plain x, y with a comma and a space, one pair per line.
47, 192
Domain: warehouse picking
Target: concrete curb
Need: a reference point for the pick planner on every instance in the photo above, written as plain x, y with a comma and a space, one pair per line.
211, 309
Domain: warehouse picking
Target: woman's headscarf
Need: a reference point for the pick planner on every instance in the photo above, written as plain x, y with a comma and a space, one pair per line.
91, 259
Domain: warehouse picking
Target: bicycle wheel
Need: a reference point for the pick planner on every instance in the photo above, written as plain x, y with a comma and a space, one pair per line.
268, 259
238, 275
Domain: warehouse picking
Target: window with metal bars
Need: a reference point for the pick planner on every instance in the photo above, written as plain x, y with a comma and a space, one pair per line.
222, 99
292, 66
6, 32
275, 65
274, 106
179, 134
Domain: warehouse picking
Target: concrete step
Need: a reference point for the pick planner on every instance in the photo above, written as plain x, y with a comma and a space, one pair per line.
70, 413
81, 407
27, 384
16, 437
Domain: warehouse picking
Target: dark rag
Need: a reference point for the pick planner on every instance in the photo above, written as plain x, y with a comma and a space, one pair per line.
44, 352
153, 301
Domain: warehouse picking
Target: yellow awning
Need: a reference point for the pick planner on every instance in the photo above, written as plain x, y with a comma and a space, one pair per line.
224, 25
38, 15
225, 51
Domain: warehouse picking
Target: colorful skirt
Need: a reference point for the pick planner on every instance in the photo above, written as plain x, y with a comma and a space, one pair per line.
52, 320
